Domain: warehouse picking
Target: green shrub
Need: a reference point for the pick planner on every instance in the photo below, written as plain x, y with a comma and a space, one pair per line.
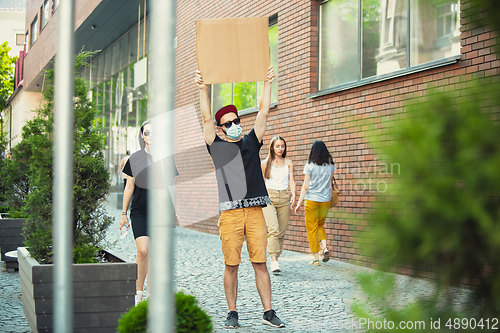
15, 172
85, 254
136, 320
31, 171
441, 214
190, 317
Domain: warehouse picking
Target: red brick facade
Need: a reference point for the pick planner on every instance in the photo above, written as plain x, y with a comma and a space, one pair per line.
335, 118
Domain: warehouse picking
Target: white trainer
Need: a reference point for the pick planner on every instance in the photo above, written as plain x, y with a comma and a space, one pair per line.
275, 267
138, 297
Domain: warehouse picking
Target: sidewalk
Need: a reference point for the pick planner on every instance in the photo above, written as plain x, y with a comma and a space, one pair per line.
307, 298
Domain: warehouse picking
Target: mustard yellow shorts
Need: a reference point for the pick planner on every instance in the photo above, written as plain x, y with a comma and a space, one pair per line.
236, 224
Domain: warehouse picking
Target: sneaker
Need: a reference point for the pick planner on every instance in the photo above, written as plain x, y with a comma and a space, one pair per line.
231, 320
270, 318
275, 267
326, 255
138, 297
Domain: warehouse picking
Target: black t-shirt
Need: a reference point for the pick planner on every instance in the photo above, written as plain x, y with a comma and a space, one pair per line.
140, 166
239, 176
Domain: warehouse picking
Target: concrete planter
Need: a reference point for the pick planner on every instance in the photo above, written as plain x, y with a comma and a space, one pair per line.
101, 293
11, 237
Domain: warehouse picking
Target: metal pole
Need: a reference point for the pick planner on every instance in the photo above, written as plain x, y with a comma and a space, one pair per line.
63, 169
161, 213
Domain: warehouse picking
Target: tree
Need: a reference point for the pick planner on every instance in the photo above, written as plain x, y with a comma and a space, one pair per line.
442, 214
91, 178
6, 74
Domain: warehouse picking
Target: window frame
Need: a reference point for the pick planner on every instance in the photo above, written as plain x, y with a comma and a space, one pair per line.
45, 8
377, 78
273, 21
34, 24
23, 36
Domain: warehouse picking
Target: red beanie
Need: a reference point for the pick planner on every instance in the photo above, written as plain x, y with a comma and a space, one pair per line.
222, 111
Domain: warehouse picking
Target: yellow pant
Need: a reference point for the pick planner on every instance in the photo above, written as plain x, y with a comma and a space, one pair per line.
277, 216
237, 225
315, 219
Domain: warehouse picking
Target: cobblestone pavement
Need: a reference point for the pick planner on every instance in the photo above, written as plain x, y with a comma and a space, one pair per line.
307, 298
11, 305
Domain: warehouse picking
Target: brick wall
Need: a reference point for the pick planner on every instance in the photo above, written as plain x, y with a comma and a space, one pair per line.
336, 118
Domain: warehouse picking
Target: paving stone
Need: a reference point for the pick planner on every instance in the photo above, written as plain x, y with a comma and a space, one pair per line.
307, 298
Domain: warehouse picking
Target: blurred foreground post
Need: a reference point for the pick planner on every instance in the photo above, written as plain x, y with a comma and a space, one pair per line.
161, 213
63, 169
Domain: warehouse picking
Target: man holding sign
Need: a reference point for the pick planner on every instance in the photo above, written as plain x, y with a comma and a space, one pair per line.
242, 194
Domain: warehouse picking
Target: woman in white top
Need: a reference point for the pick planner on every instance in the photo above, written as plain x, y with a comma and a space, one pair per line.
278, 175
316, 192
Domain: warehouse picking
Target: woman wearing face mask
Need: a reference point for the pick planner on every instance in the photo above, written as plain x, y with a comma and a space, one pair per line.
318, 173
136, 189
278, 175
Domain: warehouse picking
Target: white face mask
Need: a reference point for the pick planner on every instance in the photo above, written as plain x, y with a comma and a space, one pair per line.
234, 132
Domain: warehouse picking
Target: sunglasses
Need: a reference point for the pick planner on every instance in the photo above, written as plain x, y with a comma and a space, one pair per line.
230, 123
147, 133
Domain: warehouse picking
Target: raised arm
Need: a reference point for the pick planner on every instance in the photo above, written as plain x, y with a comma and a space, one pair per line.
265, 103
208, 123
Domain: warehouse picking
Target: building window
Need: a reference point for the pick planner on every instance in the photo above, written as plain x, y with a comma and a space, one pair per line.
362, 39
55, 3
246, 95
45, 14
34, 30
20, 38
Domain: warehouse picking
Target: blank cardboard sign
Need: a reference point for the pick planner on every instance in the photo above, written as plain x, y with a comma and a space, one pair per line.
233, 49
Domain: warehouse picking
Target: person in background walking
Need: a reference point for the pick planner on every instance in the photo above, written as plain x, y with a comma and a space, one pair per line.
278, 175
316, 191
120, 168
136, 191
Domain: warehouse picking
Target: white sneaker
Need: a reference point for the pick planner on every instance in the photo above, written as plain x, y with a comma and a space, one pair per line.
138, 297
275, 267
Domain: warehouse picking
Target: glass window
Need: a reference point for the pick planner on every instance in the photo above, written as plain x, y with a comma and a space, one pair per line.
19, 39
100, 69
435, 30
107, 96
55, 4
350, 51
338, 54
124, 54
100, 97
115, 60
384, 48
107, 65
34, 30
46, 9
133, 44
115, 91
246, 95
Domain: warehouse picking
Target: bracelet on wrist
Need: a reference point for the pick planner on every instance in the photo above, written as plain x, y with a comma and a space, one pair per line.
124, 213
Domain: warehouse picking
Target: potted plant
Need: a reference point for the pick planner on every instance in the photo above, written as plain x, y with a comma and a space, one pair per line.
102, 292
12, 192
